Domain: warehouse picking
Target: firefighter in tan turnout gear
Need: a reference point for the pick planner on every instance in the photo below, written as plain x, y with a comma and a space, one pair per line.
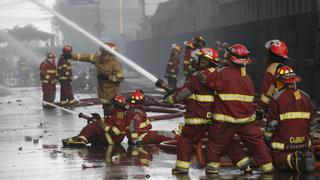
109, 74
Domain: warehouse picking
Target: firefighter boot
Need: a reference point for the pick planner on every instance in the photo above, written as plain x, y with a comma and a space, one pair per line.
309, 161
303, 161
212, 168
73, 102
179, 170
78, 141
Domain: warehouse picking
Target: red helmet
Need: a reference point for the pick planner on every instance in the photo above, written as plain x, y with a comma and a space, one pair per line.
112, 46
189, 44
119, 100
137, 96
239, 54
67, 49
286, 75
209, 53
277, 47
50, 55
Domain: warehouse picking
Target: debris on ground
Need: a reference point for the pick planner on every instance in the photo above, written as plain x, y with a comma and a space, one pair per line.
27, 138
86, 166
49, 146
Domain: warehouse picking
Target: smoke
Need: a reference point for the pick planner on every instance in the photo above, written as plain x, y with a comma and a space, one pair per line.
133, 65
22, 49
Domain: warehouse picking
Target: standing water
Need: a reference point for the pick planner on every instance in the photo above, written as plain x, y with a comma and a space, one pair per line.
138, 68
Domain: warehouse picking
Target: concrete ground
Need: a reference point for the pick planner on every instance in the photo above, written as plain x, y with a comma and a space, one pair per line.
24, 122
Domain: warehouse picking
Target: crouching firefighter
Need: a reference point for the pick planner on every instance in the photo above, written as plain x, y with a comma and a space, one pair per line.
289, 124
110, 130
199, 103
139, 131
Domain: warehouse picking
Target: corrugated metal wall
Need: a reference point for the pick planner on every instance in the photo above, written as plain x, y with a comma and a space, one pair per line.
299, 31
245, 11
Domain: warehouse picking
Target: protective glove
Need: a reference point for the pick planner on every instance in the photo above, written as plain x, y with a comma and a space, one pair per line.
259, 114
169, 99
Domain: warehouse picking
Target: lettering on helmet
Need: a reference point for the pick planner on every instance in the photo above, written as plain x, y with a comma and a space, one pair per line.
209, 115
297, 140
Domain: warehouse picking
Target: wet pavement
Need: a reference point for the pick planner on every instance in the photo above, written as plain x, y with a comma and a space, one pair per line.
30, 147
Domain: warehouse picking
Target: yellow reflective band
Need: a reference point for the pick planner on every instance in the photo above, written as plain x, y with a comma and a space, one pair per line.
309, 143
109, 139
135, 153
277, 145
117, 131
51, 71
63, 77
268, 134
202, 98
186, 62
230, 119
265, 99
91, 57
140, 138
267, 167
134, 135
289, 161
195, 121
144, 124
143, 151
236, 97
215, 165
295, 115
106, 129
182, 164
45, 81
242, 162
144, 161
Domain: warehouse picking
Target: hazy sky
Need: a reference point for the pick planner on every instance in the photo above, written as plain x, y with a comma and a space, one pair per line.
23, 12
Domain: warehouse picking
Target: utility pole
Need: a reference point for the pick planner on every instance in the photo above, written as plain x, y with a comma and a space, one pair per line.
98, 24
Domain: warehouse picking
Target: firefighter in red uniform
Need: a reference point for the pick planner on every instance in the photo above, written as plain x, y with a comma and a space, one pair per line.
65, 77
199, 102
187, 65
277, 57
233, 112
111, 130
139, 131
48, 75
289, 124
172, 70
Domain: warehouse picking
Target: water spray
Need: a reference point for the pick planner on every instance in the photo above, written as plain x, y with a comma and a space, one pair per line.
73, 25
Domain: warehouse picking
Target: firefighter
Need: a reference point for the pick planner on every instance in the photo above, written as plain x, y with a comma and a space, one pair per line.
109, 74
110, 130
199, 102
277, 57
172, 70
233, 112
24, 71
65, 77
198, 43
289, 124
48, 77
139, 131
188, 67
